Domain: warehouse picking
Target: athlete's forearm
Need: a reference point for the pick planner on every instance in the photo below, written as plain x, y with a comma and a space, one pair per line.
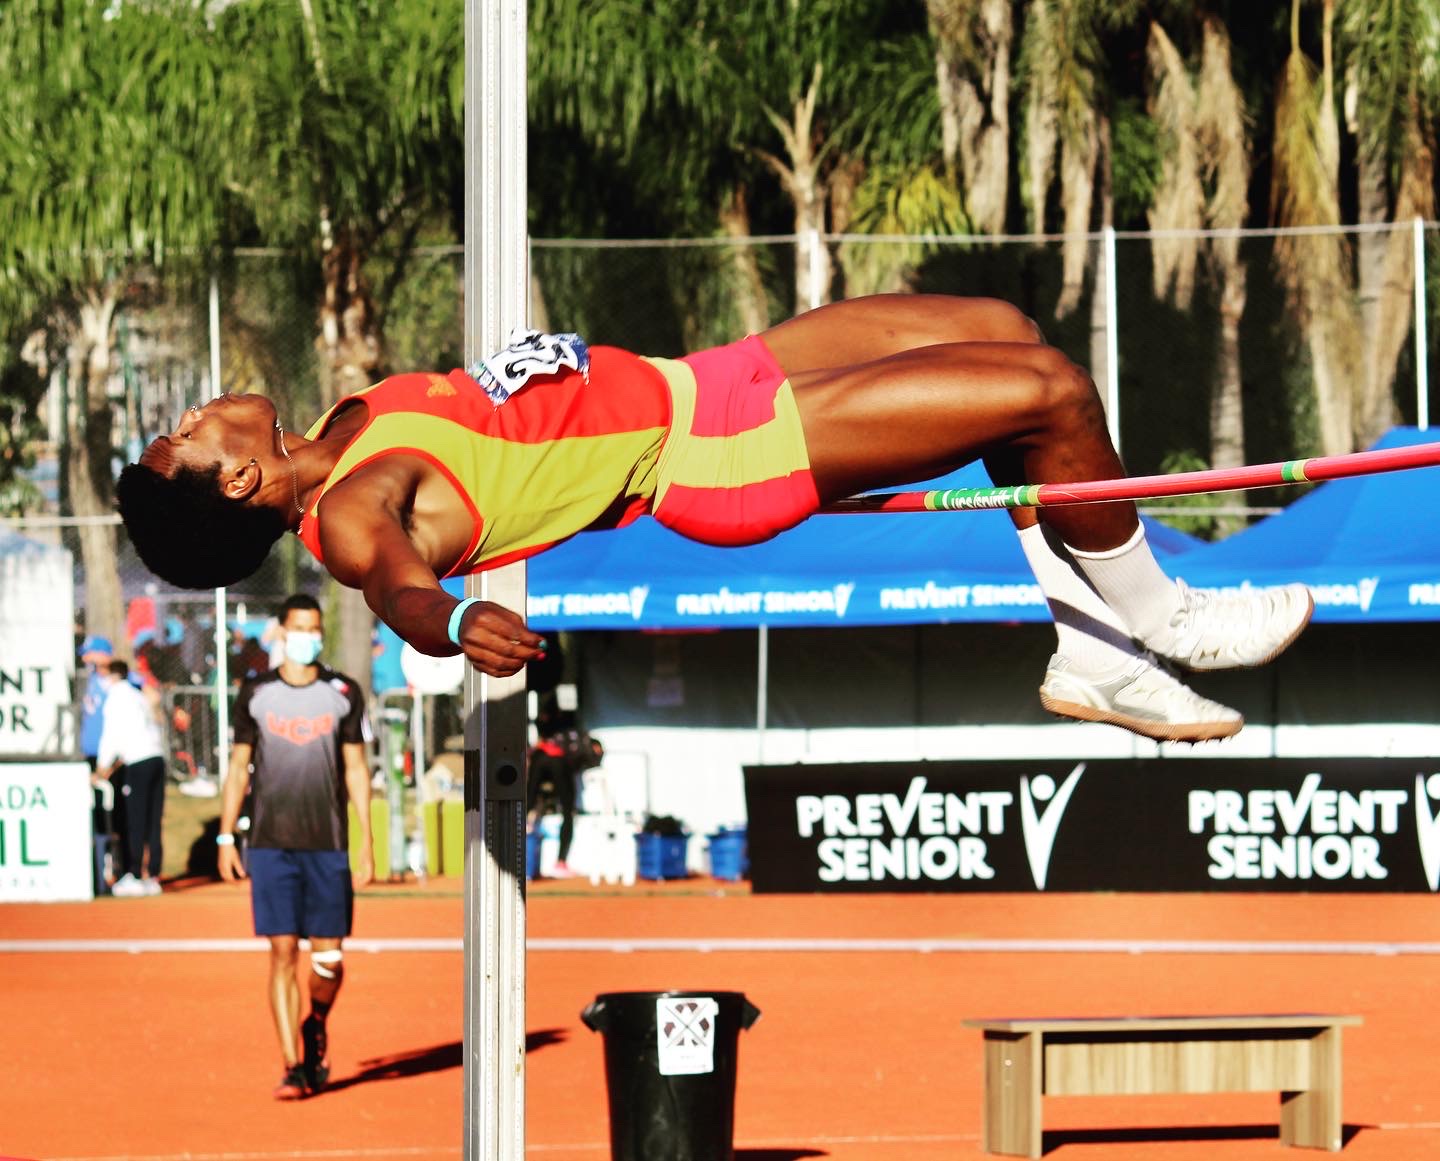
357, 785
237, 782
493, 637
420, 615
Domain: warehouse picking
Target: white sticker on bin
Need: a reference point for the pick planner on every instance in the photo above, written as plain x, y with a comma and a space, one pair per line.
685, 1031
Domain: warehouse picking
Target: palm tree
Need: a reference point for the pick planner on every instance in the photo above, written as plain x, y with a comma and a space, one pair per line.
1306, 192
349, 119
798, 93
1353, 307
1066, 119
973, 44
111, 153
351, 126
627, 91
1392, 90
1204, 175
822, 90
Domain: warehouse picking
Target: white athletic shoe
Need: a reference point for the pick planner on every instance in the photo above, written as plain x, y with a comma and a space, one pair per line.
128, 887
1142, 698
1215, 630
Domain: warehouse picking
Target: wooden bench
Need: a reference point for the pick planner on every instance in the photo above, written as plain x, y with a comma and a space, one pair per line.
1296, 1055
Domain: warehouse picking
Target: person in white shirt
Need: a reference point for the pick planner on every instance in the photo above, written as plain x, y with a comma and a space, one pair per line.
131, 755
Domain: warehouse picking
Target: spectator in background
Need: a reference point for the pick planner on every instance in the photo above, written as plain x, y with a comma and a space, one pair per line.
130, 755
301, 728
197, 641
247, 656
556, 761
95, 653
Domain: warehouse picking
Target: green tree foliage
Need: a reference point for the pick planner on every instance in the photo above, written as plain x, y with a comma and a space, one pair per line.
112, 153
349, 119
348, 115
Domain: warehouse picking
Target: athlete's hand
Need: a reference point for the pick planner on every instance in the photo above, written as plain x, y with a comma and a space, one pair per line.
231, 868
496, 640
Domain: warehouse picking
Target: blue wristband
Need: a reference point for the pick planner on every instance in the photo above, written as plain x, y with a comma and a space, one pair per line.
456, 615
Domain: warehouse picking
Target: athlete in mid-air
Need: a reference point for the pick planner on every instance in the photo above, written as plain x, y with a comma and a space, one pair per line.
424, 476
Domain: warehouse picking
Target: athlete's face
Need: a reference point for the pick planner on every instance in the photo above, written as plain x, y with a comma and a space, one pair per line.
228, 429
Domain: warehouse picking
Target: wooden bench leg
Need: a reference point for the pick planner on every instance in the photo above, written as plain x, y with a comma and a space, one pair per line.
1012, 1093
1312, 1119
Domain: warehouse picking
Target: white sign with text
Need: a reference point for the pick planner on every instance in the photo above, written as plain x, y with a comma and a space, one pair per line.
37, 641
46, 852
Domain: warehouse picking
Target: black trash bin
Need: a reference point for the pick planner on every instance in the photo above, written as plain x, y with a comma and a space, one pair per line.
670, 1071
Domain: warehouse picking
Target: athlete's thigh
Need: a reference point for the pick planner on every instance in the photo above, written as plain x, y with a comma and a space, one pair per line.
276, 892
859, 330
329, 905
921, 413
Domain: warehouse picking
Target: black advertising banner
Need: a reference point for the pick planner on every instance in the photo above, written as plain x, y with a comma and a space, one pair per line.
1343, 824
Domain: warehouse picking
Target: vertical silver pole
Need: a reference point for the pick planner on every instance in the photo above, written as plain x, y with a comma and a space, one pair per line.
399, 820
1112, 342
1422, 339
222, 638
495, 296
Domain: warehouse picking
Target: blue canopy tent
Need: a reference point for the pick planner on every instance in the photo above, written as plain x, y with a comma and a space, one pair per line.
1366, 546
831, 571
872, 569
1345, 538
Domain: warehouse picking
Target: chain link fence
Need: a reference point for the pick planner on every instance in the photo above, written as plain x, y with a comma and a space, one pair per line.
1225, 357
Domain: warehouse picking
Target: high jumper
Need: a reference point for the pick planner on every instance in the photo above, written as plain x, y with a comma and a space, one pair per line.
424, 476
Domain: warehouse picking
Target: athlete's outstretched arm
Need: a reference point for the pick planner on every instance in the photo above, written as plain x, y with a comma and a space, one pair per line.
366, 547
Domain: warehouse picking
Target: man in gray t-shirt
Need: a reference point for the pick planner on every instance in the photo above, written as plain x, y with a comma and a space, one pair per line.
299, 745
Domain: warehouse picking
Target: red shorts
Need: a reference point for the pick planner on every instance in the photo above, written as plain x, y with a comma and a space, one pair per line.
734, 468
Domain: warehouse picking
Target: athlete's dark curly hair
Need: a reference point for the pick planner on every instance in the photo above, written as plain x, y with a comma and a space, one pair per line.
187, 532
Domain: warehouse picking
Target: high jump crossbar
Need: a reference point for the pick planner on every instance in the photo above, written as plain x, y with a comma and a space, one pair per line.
1316, 469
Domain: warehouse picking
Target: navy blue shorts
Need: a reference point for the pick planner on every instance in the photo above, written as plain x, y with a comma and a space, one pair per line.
304, 893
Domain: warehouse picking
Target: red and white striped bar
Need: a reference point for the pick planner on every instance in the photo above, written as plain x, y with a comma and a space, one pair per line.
1313, 470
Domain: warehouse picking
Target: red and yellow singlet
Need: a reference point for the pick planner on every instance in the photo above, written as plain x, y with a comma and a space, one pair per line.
711, 443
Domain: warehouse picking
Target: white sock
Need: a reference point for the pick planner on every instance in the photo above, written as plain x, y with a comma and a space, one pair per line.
1132, 583
1089, 633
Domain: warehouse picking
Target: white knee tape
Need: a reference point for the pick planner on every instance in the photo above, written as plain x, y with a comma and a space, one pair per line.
325, 964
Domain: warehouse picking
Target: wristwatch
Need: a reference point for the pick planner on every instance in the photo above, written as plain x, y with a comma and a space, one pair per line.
224, 840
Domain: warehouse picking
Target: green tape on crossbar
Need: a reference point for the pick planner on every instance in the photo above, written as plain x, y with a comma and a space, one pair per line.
964, 499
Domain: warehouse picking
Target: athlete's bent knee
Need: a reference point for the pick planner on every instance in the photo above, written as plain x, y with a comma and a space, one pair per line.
1062, 385
1010, 324
327, 964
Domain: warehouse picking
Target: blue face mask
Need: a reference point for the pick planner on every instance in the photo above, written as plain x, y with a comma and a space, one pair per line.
302, 648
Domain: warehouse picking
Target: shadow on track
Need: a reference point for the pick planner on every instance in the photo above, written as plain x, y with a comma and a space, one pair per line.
436, 1058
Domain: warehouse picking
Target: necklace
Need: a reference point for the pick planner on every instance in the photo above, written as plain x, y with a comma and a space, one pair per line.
294, 476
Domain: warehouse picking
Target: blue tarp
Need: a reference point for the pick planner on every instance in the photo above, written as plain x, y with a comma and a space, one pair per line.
1367, 547
870, 569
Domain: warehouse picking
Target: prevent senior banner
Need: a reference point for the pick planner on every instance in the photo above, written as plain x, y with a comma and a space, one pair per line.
1366, 825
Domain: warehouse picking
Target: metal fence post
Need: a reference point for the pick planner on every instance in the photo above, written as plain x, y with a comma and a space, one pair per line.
1422, 338
222, 636
1112, 341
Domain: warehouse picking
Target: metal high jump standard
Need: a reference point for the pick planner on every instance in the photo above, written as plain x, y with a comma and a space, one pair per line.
496, 281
